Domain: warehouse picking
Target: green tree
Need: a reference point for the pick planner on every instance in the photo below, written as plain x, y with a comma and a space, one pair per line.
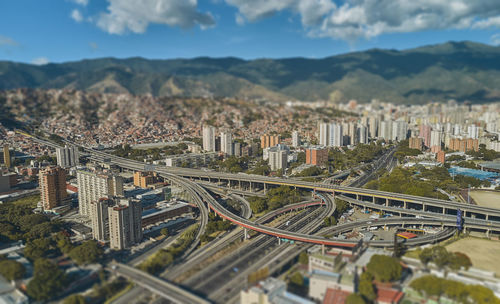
355, 298
48, 281
75, 299
384, 268
366, 288
87, 252
12, 270
37, 248
303, 258
297, 279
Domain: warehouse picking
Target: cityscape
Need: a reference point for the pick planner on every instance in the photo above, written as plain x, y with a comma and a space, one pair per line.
264, 180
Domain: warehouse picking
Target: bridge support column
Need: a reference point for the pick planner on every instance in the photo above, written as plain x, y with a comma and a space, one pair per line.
265, 188
487, 217
322, 249
373, 199
239, 184
488, 233
245, 233
405, 205
387, 202
357, 197
279, 241
423, 207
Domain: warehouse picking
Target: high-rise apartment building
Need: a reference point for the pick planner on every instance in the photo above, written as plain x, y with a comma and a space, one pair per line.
415, 143
362, 135
94, 185
100, 218
425, 134
399, 130
317, 156
385, 130
373, 127
441, 156
335, 135
278, 159
67, 157
267, 141
209, 138
53, 187
125, 223
436, 139
323, 134
473, 131
226, 143
295, 139
6, 156
143, 179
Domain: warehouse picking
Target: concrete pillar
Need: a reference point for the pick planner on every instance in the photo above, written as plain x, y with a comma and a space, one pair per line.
444, 210
265, 188
239, 184
387, 202
322, 249
423, 207
405, 205
357, 197
245, 232
488, 233
279, 241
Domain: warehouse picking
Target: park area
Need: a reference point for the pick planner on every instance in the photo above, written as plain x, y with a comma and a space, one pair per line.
489, 199
482, 252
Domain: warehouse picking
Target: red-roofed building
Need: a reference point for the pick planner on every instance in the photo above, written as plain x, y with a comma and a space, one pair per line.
407, 235
335, 296
388, 295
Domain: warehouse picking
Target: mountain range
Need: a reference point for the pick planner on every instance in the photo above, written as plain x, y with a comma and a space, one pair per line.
464, 71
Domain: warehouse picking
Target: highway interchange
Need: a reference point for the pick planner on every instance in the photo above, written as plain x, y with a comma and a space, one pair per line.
224, 283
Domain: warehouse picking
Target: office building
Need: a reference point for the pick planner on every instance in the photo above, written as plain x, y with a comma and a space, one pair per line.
278, 158
317, 156
267, 141
94, 185
295, 139
415, 143
100, 218
144, 179
53, 187
125, 224
209, 138
226, 143
67, 157
6, 156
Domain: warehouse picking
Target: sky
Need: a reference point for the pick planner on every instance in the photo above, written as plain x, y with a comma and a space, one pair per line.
44, 31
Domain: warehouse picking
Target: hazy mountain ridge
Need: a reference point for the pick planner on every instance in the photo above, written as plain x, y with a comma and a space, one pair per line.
458, 70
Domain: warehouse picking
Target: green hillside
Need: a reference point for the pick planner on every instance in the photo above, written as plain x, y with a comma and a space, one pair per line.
454, 70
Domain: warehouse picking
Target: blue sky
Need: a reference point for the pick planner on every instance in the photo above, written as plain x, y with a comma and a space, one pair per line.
66, 30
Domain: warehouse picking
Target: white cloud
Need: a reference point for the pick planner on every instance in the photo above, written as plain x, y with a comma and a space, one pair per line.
354, 19
81, 2
40, 61
136, 15
76, 15
7, 41
240, 20
93, 45
495, 39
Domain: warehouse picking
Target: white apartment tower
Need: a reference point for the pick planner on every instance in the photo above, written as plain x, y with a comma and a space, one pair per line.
335, 135
93, 186
125, 224
100, 219
67, 157
209, 138
323, 134
278, 159
295, 139
226, 143
362, 134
